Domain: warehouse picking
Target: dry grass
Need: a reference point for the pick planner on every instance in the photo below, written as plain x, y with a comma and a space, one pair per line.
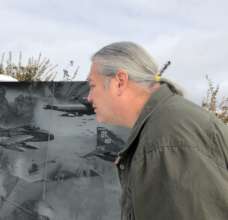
36, 69
210, 102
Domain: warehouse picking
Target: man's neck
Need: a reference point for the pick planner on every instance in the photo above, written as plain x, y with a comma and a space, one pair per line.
136, 100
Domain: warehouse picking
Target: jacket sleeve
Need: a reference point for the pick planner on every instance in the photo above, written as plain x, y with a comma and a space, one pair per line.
178, 183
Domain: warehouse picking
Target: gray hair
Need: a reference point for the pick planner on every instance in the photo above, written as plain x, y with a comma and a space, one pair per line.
132, 58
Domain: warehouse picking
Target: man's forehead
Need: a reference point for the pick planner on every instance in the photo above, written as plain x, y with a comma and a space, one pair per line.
92, 70
89, 78
94, 73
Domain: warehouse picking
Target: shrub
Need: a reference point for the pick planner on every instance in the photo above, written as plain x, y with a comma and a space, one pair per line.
210, 102
36, 69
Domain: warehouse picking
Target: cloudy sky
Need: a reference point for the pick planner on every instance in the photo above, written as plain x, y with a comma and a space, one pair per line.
192, 34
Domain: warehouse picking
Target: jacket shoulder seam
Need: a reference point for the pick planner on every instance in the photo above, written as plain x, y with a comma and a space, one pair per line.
169, 148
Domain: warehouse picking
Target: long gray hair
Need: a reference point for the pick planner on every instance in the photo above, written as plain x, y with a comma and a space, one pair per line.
132, 58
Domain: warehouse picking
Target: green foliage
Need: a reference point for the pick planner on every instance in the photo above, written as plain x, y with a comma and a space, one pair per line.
210, 102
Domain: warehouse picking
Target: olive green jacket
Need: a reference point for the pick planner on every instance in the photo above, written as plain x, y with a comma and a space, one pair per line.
175, 164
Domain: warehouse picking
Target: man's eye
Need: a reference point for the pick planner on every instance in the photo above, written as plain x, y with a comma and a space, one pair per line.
92, 86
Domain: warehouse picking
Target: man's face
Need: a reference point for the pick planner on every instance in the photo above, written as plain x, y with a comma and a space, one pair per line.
101, 96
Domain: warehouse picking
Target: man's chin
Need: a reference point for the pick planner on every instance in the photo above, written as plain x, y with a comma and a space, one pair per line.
99, 119
105, 121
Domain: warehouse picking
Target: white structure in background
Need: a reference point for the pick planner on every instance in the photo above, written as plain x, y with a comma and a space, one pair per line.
7, 78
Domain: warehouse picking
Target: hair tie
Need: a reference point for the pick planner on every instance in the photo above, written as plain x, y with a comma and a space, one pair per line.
157, 77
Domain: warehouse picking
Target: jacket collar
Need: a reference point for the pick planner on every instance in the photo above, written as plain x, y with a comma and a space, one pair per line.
153, 103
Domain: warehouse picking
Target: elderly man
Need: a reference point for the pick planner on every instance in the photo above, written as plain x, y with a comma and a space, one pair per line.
174, 166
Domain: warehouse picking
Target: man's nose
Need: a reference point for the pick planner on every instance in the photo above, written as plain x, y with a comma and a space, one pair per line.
89, 98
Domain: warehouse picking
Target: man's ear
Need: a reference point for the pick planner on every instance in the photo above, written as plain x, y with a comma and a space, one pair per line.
121, 80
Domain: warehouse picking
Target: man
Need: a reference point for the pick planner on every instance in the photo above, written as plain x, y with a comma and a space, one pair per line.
174, 166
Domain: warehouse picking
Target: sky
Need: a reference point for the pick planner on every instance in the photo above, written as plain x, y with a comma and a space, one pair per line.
192, 34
